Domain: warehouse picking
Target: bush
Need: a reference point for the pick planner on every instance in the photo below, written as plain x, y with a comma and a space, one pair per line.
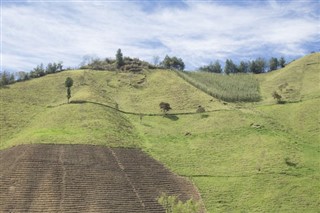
171, 204
200, 109
165, 107
278, 97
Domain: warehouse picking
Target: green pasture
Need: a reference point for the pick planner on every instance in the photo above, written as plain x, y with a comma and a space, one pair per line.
242, 156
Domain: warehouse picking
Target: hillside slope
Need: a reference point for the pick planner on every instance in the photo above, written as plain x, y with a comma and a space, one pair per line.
298, 81
242, 157
36, 112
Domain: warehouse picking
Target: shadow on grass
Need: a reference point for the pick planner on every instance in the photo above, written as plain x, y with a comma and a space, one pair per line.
78, 102
171, 117
204, 116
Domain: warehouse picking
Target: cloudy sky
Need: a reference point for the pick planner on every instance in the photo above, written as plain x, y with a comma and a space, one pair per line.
34, 32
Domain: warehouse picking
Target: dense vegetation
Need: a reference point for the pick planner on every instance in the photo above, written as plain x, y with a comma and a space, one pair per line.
7, 78
257, 66
261, 157
231, 88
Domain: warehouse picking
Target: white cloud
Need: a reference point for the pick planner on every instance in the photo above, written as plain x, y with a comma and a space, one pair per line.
199, 33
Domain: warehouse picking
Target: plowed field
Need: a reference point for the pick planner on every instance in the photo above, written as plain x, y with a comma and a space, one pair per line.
84, 178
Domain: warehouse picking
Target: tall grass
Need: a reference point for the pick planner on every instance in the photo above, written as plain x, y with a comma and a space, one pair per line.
231, 88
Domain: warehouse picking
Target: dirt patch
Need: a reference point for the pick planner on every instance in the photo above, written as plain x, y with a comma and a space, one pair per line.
84, 178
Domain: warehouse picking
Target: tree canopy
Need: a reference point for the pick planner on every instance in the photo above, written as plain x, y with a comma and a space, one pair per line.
212, 67
173, 63
165, 107
119, 59
68, 83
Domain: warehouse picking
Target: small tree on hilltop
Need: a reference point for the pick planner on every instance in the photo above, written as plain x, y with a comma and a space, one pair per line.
165, 107
173, 63
230, 67
119, 59
282, 62
69, 84
273, 64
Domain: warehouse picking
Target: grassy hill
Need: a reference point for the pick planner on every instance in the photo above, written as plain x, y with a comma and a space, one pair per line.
243, 157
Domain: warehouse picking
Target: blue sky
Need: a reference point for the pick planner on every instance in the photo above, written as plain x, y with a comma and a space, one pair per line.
199, 32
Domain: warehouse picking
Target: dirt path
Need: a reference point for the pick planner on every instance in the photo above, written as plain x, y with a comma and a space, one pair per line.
84, 178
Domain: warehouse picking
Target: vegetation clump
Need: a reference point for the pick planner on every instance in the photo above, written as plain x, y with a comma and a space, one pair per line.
278, 97
120, 63
69, 84
173, 63
257, 66
172, 204
200, 109
119, 59
6, 78
165, 107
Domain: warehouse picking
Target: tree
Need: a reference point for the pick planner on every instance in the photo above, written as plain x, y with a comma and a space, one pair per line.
257, 66
38, 71
5, 78
243, 67
173, 63
22, 76
69, 83
282, 62
119, 59
201, 109
59, 66
273, 64
165, 107
212, 67
12, 79
217, 67
51, 68
261, 65
166, 63
253, 67
179, 64
230, 67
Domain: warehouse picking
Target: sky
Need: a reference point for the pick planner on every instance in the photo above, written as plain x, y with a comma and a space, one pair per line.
199, 32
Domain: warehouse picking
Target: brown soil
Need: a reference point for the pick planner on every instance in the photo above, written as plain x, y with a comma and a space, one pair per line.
84, 178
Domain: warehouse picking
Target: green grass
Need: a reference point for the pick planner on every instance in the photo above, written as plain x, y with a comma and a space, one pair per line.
231, 88
78, 124
36, 112
298, 81
248, 157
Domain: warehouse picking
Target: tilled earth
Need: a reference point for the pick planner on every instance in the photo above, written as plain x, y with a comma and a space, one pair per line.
85, 178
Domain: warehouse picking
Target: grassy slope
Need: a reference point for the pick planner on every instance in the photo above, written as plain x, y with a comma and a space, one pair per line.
236, 165
302, 77
35, 112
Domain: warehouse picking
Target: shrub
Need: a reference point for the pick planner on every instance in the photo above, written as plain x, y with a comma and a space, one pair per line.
278, 97
171, 204
165, 107
200, 109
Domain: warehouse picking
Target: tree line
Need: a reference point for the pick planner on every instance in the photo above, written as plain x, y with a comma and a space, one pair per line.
7, 78
127, 64
256, 66
122, 63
